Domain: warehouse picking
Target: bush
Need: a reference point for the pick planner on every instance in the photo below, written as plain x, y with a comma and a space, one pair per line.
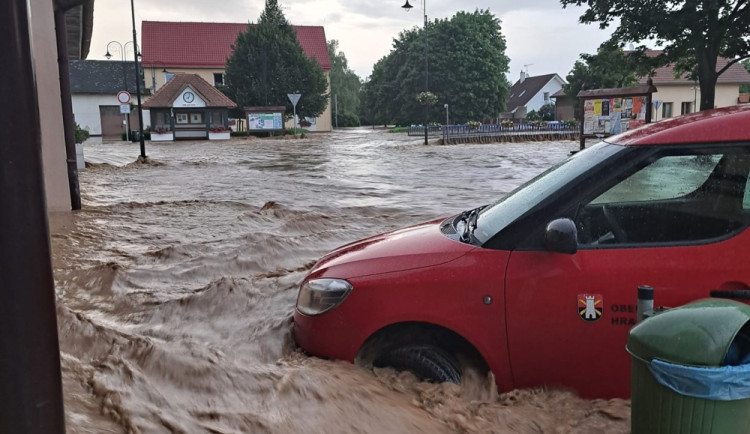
348, 119
473, 125
291, 131
82, 134
532, 116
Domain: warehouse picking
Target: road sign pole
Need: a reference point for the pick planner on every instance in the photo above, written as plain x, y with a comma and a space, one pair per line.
294, 98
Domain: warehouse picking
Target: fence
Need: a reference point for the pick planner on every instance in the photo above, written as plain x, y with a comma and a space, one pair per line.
432, 130
497, 132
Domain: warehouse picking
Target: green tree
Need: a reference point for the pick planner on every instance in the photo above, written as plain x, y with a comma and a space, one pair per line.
345, 89
547, 112
745, 88
692, 33
374, 108
467, 66
610, 67
267, 63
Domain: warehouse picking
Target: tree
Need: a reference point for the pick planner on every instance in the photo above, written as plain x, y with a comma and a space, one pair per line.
467, 66
547, 112
610, 67
745, 88
374, 108
267, 63
345, 88
691, 33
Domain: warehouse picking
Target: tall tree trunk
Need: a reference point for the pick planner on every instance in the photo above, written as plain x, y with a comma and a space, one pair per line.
708, 92
707, 76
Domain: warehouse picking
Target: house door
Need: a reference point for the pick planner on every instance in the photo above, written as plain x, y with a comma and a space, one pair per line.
113, 122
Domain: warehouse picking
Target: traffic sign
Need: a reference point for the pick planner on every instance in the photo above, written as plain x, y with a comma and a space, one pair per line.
294, 98
123, 97
124, 109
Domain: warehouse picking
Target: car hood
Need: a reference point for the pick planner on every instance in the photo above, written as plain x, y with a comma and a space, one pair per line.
418, 246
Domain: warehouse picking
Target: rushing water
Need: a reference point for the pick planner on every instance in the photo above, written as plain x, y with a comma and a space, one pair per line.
177, 281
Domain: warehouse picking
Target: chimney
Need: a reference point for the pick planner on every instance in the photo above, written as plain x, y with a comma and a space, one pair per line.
523, 77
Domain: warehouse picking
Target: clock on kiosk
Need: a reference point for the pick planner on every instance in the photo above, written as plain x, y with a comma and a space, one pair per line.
188, 97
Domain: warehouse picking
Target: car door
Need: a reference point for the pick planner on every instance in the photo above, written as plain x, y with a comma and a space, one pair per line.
673, 220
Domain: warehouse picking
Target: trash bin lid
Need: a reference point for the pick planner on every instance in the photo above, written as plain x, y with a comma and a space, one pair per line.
698, 333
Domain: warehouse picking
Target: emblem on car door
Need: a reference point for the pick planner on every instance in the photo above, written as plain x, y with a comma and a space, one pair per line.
590, 306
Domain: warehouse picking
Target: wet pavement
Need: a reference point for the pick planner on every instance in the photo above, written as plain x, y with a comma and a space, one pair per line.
177, 281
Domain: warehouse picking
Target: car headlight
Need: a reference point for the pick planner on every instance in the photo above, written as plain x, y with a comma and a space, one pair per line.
318, 296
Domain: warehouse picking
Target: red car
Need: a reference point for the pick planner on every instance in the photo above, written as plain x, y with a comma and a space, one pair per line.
540, 286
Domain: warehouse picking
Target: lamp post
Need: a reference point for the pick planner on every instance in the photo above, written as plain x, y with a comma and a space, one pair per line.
446, 115
408, 7
122, 49
153, 74
138, 85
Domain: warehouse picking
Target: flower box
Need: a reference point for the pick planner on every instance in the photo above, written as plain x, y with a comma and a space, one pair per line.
162, 137
220, 135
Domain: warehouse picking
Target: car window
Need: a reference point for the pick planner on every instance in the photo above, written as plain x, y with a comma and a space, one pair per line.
500, 214
666, 178
672, 197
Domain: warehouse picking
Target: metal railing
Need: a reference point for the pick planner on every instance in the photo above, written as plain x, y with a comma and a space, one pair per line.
418, 130
452, 132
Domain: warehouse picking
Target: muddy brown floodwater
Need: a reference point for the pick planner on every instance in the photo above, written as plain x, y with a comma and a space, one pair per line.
177, 281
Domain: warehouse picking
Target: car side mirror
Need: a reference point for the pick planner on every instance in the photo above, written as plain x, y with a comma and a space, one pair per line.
561, 236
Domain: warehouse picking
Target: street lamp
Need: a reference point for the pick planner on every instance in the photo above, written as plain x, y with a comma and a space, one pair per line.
408, 7
138, 84
122, 50
153, 74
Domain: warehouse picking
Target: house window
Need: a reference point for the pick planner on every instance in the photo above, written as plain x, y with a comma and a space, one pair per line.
546, 96
666, 110
168, 76
218, 79
686, 107
181, 118
196, 118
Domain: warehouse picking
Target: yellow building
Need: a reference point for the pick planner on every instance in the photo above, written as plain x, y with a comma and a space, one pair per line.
678, 96
170, 48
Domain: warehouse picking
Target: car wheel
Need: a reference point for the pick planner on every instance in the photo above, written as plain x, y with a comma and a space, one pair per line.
427, 362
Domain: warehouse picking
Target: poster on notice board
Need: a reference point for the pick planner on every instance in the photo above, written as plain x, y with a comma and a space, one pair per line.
607, 116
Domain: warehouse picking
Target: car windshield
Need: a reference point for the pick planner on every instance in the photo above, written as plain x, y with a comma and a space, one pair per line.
500, 214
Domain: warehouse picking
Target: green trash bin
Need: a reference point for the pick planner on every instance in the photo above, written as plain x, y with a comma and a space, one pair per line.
691, 370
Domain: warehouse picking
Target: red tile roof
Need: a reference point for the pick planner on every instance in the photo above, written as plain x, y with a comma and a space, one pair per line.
665, 75
166, 95
208, 45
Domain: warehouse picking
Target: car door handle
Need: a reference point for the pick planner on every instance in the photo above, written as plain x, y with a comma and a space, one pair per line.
739, 294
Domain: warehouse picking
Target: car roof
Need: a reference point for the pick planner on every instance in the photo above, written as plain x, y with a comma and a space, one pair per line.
728, 124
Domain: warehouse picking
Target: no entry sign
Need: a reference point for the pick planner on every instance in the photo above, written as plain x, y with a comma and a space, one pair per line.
123, 97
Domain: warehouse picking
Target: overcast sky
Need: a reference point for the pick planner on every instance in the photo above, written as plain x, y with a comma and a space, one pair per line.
541, 36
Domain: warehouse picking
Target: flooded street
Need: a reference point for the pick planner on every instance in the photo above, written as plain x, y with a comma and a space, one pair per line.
176, 286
